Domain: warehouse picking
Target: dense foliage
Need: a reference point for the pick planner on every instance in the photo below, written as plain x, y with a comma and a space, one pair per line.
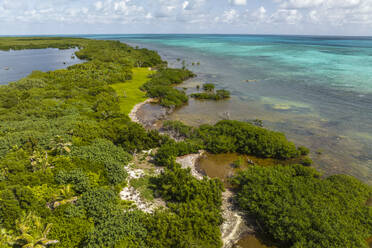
160, 86
229, 136
20, 43
64, 143
195, 206
298, 209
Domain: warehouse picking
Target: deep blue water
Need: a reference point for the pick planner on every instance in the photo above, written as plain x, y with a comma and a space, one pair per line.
15, 65
318, 90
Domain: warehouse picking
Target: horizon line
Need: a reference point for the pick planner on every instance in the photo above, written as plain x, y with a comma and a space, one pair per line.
241, 34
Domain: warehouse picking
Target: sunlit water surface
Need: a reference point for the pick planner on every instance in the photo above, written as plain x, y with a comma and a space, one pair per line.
318, 90
15, 65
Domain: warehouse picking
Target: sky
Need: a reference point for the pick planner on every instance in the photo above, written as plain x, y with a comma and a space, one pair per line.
303, 17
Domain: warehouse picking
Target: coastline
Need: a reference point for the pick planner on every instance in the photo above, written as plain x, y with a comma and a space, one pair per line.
233, 226
104, 145
133, 113
308, 113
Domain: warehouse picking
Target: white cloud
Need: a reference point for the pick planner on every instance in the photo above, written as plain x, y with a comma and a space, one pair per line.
238, 2
260, 14
303, 4
313, 15
98, 5
230, 16
330, 12
291, 16
178, 14
185, 5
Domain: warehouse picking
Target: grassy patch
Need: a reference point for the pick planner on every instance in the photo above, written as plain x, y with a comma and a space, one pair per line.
142, 185
129, 91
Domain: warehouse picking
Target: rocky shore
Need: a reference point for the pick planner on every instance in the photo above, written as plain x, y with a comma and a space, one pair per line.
133, 115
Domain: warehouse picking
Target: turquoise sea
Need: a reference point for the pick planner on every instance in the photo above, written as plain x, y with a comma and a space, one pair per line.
318, 90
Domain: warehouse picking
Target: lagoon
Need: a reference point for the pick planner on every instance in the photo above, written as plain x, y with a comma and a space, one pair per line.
15, 65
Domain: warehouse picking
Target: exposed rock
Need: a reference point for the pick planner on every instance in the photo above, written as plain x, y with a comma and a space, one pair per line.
189, 161
233, 226
131, 194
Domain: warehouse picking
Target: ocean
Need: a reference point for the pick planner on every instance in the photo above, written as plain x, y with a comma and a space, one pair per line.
315, 89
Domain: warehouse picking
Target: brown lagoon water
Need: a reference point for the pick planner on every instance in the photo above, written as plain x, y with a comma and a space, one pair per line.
317, 90
223, 166
251, 241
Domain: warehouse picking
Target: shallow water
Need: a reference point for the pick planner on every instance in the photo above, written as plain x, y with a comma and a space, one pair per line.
15, 65
223, 166
318, 90
251, 241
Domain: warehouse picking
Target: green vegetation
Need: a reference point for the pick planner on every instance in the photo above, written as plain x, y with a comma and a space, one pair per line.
21, 43
160, 86
143, 186
177, 129
65, 139
218, 95
208, 87
238, 163
210, 94
234, 136
129, 92
298, 209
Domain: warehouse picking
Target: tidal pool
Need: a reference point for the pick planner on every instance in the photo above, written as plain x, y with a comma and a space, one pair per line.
224, 166
251, 241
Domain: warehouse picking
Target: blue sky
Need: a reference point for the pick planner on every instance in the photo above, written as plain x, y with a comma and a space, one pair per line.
322, 17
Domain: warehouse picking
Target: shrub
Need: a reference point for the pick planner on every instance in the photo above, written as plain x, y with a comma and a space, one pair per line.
303, 150
208, 87
307, 161
299, 209
76, 177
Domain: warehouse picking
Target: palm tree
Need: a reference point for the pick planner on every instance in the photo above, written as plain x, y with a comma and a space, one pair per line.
59, 146
66, 192
65, 195
3, 173
39, 161
6, 238
33, 232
